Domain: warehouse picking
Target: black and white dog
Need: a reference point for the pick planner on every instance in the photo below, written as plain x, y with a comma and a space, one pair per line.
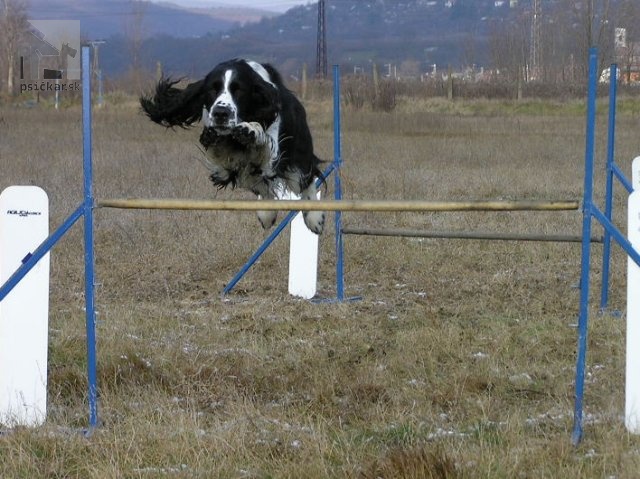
255, 131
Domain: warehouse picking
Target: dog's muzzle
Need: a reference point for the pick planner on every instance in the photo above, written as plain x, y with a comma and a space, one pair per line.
220, 117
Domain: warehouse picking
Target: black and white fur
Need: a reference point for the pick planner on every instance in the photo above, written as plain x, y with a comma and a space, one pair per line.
255, 133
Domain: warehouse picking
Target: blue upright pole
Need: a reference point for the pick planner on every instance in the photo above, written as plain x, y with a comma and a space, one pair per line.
89, 272
337, 161
586, 247
606, 251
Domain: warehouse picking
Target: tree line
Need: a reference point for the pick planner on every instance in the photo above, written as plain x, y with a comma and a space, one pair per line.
566, 31
553, 52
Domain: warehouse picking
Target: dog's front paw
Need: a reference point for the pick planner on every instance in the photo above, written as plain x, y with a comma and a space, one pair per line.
314, 221
248, 133
208, 137
244, 133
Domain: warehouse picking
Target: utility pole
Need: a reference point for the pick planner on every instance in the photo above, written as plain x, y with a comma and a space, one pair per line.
535, 53
321, 54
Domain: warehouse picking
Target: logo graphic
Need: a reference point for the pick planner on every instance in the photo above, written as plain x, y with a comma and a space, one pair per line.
23, 213
51, 51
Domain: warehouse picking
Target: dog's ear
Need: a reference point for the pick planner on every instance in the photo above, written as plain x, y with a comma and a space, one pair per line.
266, 102
171, 106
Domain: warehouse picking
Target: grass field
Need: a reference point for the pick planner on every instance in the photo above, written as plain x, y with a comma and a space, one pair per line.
458, 362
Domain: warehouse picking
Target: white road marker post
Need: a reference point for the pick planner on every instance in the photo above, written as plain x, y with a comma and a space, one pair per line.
24, 312
632, 384
303, 255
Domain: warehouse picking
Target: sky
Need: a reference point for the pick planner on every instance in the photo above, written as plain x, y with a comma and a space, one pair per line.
273, 5
276, 5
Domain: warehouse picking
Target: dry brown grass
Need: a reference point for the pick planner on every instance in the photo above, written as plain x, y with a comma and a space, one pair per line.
458, 362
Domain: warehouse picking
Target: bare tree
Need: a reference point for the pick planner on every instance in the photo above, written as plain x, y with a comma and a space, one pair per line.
134, 32
628, 16
569, 29
469, 49
627, 29
596, 29
509, 49
13, 25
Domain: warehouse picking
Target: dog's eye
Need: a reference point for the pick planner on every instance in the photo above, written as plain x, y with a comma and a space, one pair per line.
234, 87
217, 86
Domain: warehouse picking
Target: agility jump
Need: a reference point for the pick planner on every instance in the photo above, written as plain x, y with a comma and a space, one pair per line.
590, 211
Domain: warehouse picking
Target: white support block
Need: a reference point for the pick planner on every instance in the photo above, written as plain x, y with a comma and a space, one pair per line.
24, 312
303, 255
632, 385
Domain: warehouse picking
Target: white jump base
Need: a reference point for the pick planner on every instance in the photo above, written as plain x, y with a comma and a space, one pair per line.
24, 312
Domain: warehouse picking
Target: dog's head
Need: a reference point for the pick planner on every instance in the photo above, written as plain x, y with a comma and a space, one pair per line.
240, 91
233, 92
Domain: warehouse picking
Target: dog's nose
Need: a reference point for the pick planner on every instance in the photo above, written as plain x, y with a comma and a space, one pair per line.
221, 114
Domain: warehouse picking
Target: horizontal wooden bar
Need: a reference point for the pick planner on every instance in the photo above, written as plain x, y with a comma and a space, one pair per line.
473, 235
341, 205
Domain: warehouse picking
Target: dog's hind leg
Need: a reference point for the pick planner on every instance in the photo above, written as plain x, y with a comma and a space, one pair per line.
313, 219
267, 218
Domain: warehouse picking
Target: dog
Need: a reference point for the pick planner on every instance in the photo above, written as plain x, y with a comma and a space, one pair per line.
255, 135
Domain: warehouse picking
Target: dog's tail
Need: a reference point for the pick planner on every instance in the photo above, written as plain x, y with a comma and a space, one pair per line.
171, 106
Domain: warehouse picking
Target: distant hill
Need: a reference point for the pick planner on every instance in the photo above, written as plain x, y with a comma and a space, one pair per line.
233, 15
407, 36
100, 19
420, 32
